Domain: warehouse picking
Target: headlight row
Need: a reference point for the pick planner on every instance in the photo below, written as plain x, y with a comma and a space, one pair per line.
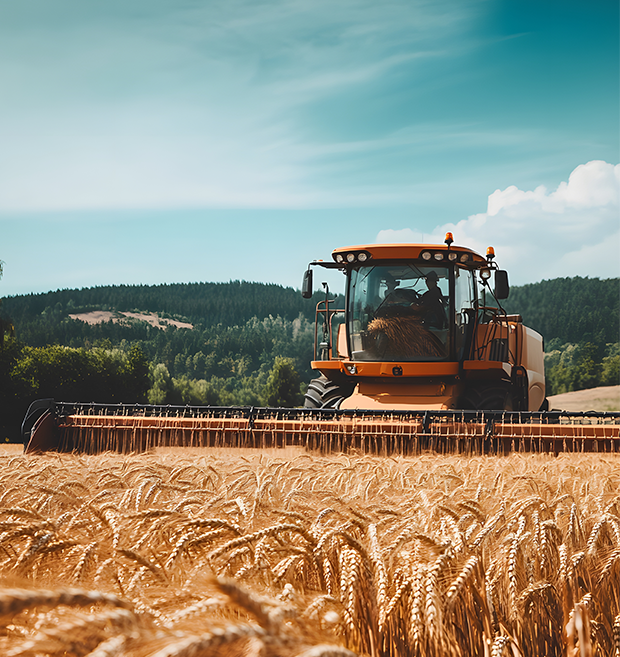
439, 256
352, 257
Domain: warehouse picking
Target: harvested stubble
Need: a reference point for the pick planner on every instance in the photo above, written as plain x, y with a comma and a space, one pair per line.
210, 552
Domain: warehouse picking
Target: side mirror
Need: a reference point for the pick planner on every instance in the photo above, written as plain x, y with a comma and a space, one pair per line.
502, 288
306, 284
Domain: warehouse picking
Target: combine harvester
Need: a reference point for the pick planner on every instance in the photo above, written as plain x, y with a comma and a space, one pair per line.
422, 357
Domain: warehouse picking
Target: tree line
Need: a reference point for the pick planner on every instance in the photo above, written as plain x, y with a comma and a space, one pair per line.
573, 310
208, 304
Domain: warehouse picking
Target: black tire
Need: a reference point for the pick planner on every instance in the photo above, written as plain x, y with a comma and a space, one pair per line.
488, 397
323, 393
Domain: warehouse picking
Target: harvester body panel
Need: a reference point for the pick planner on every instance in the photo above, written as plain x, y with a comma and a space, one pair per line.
416, 396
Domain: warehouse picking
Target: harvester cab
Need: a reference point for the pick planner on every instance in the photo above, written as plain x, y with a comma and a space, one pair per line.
422, 327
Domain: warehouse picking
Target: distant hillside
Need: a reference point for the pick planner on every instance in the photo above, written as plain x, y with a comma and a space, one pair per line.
570, 309
207, 303
565, 309
41, 319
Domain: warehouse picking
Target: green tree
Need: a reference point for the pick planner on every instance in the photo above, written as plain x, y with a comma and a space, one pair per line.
580, 366
83, 375
161, 387
610, 375
135, 372
587, 369
282, 388
13, 408
194, 392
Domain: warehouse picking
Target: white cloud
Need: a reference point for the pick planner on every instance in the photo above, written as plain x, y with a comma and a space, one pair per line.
594, 184
573, 230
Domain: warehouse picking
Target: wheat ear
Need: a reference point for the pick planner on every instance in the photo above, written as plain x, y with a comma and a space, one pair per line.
65, 634
144, 562
13, 601
326, 651
269, 531
198, 645
499, 645
614, 557
457, 586
381, 574
252, 604
112, 647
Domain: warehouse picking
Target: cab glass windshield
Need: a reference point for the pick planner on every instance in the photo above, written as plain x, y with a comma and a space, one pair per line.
399, 313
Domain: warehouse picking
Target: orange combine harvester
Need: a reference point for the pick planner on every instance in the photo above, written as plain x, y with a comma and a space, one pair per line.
422, 356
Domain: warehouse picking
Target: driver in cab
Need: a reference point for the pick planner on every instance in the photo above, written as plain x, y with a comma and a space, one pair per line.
428, 306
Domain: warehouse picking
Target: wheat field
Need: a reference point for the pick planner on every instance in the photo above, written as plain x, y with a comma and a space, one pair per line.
182, 553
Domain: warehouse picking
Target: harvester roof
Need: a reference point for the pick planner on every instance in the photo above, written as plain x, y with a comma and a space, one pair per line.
431, 252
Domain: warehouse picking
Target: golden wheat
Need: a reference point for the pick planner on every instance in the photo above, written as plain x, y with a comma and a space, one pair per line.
287, 553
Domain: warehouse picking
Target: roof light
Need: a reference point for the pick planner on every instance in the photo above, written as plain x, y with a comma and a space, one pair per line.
449, 239
439, 256
426, 255
464, 257
350, 257
490, 253
362, 257
452, 256
339, 257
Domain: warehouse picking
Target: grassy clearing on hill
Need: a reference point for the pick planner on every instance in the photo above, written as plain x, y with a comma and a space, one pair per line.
211, 552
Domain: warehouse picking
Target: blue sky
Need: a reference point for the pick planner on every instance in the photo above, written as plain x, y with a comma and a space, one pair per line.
159, 141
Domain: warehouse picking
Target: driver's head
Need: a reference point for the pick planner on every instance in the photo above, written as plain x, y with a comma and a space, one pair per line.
431, 279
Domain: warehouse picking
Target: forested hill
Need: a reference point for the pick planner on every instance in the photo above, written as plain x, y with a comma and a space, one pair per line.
567, 309
570, 309
209, 304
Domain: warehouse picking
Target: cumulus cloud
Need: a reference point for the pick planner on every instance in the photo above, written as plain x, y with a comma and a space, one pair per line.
573, 230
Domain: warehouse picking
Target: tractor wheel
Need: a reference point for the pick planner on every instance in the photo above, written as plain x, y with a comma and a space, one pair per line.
323, 393
488, 397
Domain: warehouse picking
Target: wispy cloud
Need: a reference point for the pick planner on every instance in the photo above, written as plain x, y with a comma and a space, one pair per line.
196, 104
